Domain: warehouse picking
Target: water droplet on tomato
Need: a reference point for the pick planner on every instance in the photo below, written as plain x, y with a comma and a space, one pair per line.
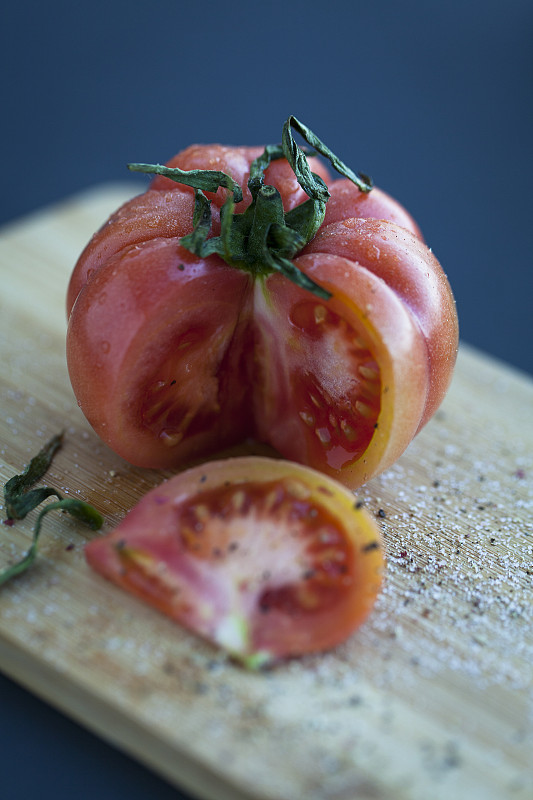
105, 347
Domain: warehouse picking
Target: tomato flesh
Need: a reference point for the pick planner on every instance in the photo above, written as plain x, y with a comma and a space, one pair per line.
338, 383
263, 557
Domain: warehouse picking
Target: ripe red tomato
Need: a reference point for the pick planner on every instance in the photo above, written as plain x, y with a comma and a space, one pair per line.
174, 355
263, 557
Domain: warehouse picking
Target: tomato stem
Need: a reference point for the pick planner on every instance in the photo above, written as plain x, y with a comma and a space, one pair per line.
263, 238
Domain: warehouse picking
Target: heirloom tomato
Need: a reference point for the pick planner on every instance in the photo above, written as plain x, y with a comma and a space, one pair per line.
247, 294
263, 557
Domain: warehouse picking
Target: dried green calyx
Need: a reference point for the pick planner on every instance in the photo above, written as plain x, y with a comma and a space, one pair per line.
263, 238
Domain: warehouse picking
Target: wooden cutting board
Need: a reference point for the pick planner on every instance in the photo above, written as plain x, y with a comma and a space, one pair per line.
432, 698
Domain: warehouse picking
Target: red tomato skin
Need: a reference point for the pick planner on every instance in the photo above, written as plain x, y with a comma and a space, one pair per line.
233, 563
348, 202
125, 336
397, 257
151, 215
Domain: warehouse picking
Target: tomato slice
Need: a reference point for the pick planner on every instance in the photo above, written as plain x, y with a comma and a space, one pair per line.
265, 558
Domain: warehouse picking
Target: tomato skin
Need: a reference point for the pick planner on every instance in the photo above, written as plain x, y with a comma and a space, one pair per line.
263, 557
245, 377
147, 216
348, 202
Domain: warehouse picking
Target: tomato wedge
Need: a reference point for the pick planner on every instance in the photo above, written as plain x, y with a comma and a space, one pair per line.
263, 557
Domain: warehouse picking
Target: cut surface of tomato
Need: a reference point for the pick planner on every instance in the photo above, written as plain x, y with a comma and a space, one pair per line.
263, 557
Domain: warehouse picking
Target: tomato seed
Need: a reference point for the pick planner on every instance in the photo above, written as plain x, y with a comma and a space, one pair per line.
364, 409
320, 314
297, 489
323, 435
369, 373
238, 500
171, 439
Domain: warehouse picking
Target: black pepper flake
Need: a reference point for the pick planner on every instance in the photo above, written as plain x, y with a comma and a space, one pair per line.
370, 546
381, 513
203, 479
181, 267
355, 700
358, 504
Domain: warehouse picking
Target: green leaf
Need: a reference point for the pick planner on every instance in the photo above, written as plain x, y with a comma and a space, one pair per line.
291, 271
196, 241
18, 499
301, 168
262, 238
208, 180
77, 508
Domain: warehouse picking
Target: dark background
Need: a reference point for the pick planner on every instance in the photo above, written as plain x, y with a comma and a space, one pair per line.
433, 99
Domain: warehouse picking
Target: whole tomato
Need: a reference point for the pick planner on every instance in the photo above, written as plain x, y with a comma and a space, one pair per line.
246, 294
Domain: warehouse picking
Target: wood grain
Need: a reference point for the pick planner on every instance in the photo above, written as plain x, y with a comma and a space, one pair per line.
433, 697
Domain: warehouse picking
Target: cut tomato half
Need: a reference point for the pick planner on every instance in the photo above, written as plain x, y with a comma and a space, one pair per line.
263, 557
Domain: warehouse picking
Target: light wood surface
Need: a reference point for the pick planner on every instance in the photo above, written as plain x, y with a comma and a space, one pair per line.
432, 698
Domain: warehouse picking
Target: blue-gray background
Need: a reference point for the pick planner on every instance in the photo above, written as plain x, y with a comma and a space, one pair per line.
433, 99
